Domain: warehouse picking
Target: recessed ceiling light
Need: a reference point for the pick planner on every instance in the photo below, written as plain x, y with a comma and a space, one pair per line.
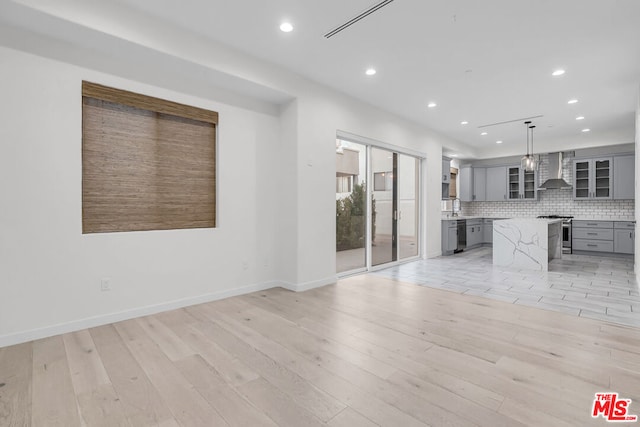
580, 118
454, 155
483, 133
572, 101
586, 130
286, 27
370, 71
432, 105
557, 73
464, 122
498, 142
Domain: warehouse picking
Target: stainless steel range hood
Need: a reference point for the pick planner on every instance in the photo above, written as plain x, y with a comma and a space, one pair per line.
555, 180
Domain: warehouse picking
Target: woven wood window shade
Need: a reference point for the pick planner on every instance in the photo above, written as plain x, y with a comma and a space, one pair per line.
147, 163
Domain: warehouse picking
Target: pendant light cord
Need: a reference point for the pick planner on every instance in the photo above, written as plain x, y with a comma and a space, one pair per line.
527, 123
531, 127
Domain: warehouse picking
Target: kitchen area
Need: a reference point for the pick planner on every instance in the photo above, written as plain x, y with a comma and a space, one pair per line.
589, 193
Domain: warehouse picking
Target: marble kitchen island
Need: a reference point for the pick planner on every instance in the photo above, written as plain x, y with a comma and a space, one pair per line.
527, 243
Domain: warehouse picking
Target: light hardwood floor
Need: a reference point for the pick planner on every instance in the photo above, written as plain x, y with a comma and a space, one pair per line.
367, 351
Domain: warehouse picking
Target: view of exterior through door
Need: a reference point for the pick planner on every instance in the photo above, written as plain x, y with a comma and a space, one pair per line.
351, 206
391, 202
408, 208
383, 243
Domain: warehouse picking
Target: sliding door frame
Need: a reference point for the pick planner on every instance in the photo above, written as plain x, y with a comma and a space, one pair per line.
420, 194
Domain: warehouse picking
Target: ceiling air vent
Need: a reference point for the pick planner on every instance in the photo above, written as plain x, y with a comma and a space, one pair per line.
355, 19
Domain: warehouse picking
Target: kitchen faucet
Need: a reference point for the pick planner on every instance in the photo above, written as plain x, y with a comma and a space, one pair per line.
455, 206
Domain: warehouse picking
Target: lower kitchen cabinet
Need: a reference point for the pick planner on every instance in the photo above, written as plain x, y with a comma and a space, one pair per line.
592, 236
449, 236
624, 235
487, 230
479, 233
452, 238
474, 233
604, 236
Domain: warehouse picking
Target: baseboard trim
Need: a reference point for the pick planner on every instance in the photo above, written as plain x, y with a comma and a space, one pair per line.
91, 322
301, 287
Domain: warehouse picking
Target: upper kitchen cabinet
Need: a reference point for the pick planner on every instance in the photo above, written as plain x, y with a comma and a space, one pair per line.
496, 189
473, 183
446, 170
521, 184
479, 184
446, 178
466, 183
624, 173
592, 178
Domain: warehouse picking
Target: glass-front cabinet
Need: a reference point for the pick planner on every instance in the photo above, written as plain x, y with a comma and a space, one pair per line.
513, 181
521, 184
592, 178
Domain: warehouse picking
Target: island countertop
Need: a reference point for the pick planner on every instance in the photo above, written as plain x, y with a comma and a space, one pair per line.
527, 242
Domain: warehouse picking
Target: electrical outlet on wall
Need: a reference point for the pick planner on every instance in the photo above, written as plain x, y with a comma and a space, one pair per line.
105, 284
245, 265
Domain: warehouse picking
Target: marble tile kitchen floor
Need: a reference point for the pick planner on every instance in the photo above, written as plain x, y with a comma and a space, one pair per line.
585, 286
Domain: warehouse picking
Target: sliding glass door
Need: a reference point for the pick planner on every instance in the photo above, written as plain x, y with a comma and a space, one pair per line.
351, 206
383, 206
376, 223
408, 208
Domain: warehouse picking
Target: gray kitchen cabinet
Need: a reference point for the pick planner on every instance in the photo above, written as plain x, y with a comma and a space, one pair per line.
479, 184
446, 177
623, 241
592, 178
624, 235
521, 184
446, 170
474, 232
449, 236
487, 230
452, 238
624, 174
466, 183
496, 187
593, 236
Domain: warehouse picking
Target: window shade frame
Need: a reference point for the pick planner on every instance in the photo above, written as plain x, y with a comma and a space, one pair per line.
150, 103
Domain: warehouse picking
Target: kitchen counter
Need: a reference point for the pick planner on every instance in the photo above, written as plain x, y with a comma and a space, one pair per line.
453, 218
584, 218
577, 218
527, 242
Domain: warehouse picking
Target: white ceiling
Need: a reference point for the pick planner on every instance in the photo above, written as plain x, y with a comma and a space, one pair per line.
482, 61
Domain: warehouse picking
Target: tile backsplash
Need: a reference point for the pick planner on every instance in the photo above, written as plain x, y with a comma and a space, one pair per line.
553, 202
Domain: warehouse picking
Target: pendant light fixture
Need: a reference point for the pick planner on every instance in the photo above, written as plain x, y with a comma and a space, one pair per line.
528, 162
533, 164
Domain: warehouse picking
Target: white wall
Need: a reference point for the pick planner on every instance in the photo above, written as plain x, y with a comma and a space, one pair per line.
276, 184
321, 113
50, 271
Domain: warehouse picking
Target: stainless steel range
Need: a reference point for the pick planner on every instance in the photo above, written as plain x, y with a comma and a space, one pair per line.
566, 231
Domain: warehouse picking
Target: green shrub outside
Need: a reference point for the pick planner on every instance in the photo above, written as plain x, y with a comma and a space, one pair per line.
351, 219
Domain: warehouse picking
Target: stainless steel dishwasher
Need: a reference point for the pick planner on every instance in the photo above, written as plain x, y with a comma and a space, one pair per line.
462, 236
